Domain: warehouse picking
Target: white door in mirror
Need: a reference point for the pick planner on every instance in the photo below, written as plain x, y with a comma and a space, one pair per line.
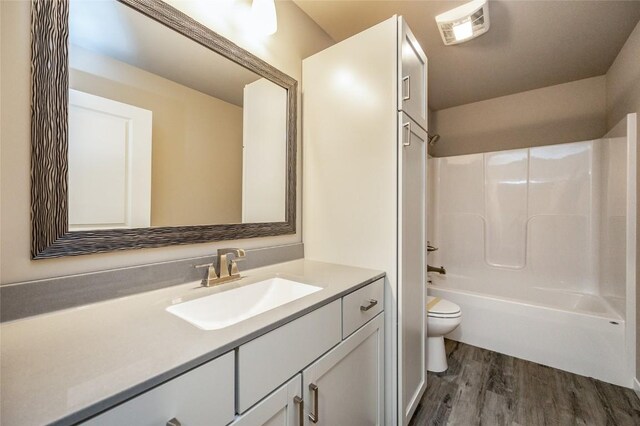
109, 163
230, 307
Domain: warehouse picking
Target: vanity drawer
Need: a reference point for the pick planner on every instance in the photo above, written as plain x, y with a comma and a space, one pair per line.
270, 360
188, 398
361, 306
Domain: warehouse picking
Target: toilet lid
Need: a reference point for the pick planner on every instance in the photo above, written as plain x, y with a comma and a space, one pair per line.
439, 307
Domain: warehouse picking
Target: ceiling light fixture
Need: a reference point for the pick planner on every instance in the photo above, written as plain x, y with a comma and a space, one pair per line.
264, 17
464, 22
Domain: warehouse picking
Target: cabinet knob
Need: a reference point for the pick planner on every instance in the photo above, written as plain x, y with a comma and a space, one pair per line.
174, 422
313, 416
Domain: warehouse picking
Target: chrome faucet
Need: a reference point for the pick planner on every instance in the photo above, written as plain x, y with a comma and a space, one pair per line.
439, 270
227, 268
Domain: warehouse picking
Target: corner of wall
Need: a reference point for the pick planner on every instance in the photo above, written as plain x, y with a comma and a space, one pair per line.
623, 81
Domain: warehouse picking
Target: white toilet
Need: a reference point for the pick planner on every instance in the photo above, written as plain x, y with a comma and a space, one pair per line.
442, 318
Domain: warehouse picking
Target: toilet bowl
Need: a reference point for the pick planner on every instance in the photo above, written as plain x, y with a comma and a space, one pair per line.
443, 317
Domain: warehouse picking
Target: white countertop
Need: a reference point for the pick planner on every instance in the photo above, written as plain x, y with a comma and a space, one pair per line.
68, 365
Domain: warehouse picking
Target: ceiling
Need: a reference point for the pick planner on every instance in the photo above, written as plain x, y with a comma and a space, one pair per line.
530, 44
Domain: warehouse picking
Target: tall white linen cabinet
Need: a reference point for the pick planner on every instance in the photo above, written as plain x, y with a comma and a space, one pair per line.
364, 172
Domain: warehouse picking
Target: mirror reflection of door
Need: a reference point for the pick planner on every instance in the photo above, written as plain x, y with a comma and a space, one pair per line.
218, 134
109, 163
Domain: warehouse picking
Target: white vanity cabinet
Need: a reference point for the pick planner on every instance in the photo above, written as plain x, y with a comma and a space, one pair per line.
342, 384
268, 361
284, 407
271, 380
202, 396
346, 386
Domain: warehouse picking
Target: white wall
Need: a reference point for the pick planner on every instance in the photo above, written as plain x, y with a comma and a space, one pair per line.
350, 105
297, 38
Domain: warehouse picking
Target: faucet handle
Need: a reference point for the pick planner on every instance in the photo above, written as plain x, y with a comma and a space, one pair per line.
234, 267
211, 272
240, 255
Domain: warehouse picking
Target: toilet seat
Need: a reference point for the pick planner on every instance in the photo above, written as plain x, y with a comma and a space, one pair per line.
442, 308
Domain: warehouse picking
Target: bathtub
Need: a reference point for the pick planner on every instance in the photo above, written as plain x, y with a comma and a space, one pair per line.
575, 332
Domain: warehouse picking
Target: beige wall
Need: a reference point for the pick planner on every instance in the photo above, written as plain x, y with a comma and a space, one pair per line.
568, 112
190, 185
623, 81
297, 38
623, 97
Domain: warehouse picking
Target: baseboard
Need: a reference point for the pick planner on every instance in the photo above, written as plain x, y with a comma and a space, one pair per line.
636, 387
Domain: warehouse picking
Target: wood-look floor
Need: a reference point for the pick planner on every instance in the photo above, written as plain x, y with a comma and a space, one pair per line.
487, 388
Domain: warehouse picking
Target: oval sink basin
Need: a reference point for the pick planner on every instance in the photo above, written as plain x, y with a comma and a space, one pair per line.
229, 307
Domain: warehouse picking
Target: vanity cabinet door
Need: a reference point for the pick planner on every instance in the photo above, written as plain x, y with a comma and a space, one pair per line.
202, 396
346, 386
284, 407
412, 73
271, 359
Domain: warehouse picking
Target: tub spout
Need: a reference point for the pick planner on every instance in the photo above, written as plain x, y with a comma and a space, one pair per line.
439, 270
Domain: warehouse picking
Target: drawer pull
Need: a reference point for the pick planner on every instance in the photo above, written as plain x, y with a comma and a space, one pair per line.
372, 303
407, 141
174, 422
299, 401
313, 416
408, 95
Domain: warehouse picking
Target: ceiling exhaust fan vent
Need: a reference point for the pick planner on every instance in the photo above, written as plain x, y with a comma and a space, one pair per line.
464, 23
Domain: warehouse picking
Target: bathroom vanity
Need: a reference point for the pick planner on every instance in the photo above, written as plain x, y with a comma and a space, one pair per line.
352, 352
316, 360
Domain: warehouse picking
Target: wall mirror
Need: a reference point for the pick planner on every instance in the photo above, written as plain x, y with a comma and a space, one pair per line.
149, 129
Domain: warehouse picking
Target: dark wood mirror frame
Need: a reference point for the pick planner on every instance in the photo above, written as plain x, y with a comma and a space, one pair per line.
50, 235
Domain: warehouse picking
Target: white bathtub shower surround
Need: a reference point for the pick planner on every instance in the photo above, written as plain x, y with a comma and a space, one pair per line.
531, 211
570, 331
551, 229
